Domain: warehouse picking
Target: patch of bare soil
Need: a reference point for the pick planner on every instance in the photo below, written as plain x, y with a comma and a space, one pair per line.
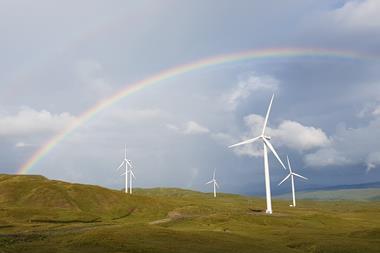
172, 216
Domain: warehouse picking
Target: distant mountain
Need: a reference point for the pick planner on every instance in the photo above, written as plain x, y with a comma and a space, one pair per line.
346, 187
358, 192
305, 187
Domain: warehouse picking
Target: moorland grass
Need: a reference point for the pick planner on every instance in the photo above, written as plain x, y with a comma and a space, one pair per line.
41, 215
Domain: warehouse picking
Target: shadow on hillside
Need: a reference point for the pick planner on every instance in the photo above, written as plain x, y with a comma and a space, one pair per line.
256, 210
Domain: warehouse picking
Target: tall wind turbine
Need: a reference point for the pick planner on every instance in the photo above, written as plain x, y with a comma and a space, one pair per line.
291, 175
127, 164
214, 183
265, 139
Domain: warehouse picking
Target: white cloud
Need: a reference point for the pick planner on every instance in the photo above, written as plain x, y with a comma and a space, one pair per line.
190, 128
373, 160
28, 121
326, 157
22, 145
376, 111
193, 127
227, 140
370, 109
223, 138
289, 133
358, 14
249, 85
254, 150
255, 124
299, 137
173, 127
350, 146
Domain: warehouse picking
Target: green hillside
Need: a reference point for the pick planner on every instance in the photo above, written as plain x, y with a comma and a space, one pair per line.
31, 198
41, 215
371, 194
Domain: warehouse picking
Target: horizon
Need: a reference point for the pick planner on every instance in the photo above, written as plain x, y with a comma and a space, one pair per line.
260, 194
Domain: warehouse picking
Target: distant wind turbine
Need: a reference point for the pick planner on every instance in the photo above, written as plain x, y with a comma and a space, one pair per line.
291, 175
127, 164
265, 139
215, 184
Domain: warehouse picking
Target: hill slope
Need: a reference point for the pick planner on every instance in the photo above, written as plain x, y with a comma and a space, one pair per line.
41, 215
37, 198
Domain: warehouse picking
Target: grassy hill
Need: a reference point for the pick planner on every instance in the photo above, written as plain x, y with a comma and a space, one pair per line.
370, 194
41, 215
32, 198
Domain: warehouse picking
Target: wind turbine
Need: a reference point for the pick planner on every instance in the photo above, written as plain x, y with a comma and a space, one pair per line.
127, 163
265, 139
214, 183
291, 175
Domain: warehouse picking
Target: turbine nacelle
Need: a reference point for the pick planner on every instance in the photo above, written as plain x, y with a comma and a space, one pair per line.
212, 181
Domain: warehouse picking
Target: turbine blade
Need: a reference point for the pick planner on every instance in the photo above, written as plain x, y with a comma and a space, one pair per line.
284, 179
213, 177
129, 163
269, 145
267, 116
297, 175
120, 165
216, 184
245, 142
123, 174
133, 175
209, 182
290, 167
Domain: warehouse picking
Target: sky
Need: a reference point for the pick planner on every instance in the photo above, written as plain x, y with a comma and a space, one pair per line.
61, 58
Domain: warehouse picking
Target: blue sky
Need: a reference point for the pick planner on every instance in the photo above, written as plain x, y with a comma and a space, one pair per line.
61, 58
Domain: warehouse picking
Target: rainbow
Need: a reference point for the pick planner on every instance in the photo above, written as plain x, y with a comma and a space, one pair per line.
174, 72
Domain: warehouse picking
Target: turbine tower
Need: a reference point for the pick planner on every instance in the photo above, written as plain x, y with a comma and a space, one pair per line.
214, 183
291, 175
266, 144
127, 164
131, 177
